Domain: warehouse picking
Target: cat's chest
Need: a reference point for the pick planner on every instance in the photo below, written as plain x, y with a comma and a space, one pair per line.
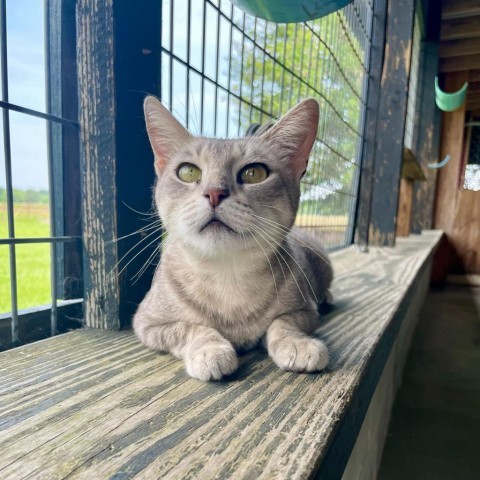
227, 294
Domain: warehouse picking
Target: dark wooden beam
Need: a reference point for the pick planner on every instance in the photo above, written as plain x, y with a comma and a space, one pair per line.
474, 75
473, 87
391, 122
457, 48
461, 63
453, 9
473, 106
373, 98
118, 53
460, 29
427, 145
404, 217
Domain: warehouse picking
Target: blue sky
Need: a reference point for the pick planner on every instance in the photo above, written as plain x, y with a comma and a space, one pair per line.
26, 75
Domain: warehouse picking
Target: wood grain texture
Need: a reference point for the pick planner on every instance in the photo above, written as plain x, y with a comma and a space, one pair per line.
427, 148
452, 134
373, 99
391, 122
461, 63
404, 215
97, 404
454, 48
95, 63
462, 28
453, 9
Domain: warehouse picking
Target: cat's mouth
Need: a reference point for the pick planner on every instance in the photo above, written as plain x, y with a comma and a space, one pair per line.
216, 224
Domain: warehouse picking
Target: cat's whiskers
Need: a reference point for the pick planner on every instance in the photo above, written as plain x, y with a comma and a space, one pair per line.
157, 250
144, 229
283, 258
158, 229
146, 214
270, 265
286, 230
293, 258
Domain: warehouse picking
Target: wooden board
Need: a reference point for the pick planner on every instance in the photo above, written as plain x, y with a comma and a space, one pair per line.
454, 48
97, 404
468, 27
373, 98
452, 134
404, 216
118, 56
462, 63
453, 9
391, 122
427, 148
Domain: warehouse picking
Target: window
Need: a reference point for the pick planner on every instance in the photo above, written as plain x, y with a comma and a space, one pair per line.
40, 265
223, 70
472, 168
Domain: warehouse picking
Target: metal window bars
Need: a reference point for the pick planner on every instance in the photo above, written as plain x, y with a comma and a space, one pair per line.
55, 127
223, 70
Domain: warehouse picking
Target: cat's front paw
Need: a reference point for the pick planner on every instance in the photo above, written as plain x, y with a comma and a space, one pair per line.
211, 361
299, 354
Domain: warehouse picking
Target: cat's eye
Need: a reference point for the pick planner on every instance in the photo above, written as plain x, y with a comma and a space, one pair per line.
189, 173
254, 173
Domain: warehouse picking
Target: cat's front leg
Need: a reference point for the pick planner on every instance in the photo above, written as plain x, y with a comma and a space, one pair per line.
291, 348
206, 353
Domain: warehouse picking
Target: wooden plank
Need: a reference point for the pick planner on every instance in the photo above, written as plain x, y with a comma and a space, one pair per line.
456, 48
98, 404
391, 122
95, 60
462, 28
452, 134
453, 9
472, 105
373, 97
365, 459
404, 215
427, 147
34, 323
473, 87
474, 76
460, 63
118, 64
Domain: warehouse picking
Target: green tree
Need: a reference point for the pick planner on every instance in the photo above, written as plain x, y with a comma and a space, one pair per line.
274, 66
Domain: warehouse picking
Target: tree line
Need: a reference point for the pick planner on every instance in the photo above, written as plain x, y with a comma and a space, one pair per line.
25, 196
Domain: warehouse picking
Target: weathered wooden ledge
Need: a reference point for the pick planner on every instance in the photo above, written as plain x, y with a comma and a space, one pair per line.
96, 404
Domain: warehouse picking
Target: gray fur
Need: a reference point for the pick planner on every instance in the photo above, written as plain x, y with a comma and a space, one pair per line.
218, 289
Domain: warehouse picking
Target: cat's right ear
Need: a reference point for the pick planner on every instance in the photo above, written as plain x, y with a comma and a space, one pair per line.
166, 134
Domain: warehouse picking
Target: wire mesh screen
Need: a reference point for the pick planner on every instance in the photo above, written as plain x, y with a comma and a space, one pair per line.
33, 129
223, 70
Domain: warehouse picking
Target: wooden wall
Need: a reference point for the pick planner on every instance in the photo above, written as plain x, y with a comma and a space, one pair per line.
457, 211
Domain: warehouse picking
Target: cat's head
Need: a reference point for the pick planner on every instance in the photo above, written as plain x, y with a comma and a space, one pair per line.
217, 195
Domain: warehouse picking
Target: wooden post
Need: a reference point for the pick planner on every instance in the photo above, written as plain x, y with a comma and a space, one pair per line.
118, 52
404, 220
373, 96
427, 147
391, 122
453, 124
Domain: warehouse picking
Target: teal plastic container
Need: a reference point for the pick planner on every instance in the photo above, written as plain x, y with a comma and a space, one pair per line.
290, 11
448, 102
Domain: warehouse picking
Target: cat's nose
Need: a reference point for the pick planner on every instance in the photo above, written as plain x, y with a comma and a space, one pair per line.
216, 195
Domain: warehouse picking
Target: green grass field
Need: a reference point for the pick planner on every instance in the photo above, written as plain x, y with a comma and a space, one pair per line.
33, 261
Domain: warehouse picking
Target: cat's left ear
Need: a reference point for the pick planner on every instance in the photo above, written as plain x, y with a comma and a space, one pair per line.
166, 134
294, 134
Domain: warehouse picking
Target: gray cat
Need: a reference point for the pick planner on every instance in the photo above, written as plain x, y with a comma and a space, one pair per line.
233, 270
